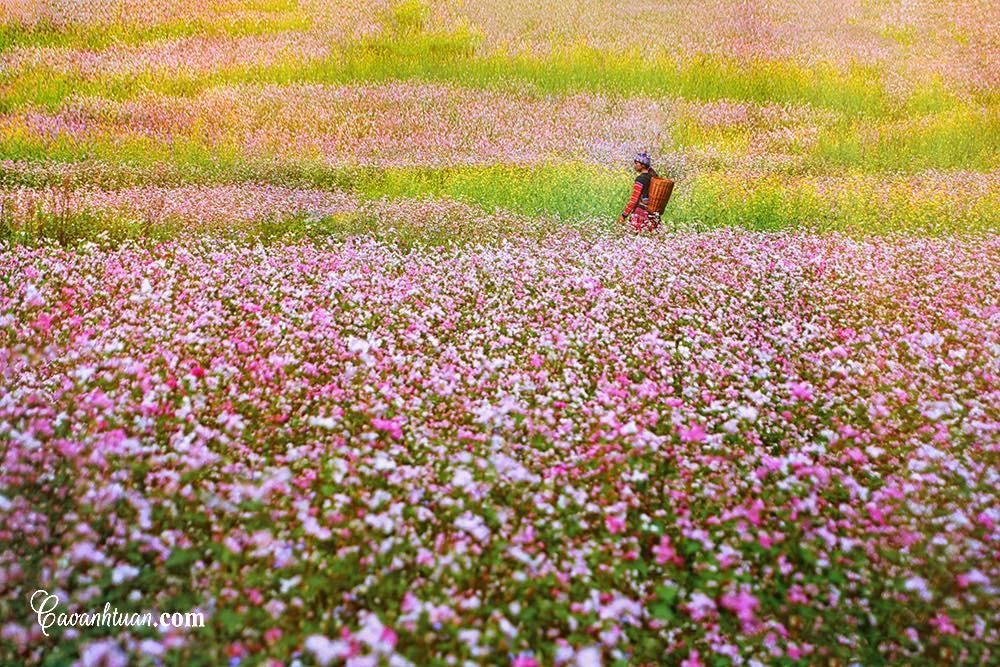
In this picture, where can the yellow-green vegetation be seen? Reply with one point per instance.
(958, 138)
(118, 28)
(788, 126)
(450, 56)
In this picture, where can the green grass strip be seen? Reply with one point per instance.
(576, 191)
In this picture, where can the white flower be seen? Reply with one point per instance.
(469, 637)
(311, 527)
(33, 297)
(928, 339)
(371, 631)
(323, 422)
(563, 654)
(379, 497)
(123, 573)
(381, 522)
(286, 585)
(462, 479)
(383, 462)
(153, 648)
(105, 652)
(700, 605)
(507, 627)
(936, 409)
(474, 525)
(358, 345)
(324, 650)
(588, 657)
(977, 577)
(919, 586)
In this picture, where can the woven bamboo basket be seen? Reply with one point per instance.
(659, 194)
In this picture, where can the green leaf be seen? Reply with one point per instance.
(661, 611)
(667, 594)
(230, 620)
(179, 561)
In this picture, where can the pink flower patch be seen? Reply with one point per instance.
(614, 524)
(801, 391)
(743, 604)
(693, 660)
(665, 552)
(391, 427)
(695, 433)
(942, 622)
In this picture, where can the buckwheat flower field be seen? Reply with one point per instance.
(320, 344)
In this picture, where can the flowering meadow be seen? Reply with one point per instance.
(315, 320)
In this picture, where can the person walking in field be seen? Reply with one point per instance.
(636, 211)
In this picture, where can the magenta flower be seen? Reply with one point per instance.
(614, 524)
(693, 659)
(694, 433)
(942, 622)
(801, 391)
(664, 552)
(743, 604)
(389, 426)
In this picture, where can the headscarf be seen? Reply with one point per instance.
(643, 158)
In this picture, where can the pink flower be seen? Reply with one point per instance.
(753, 512)
(693, 660)
(743, 604)
(875, 512)
(696, 433)
(972, 577)
(943, 624)
(410, 602)
(614, 524)
(700, 606)
(665, 552)
(801, 391)
(43, 323)
(389, 426)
